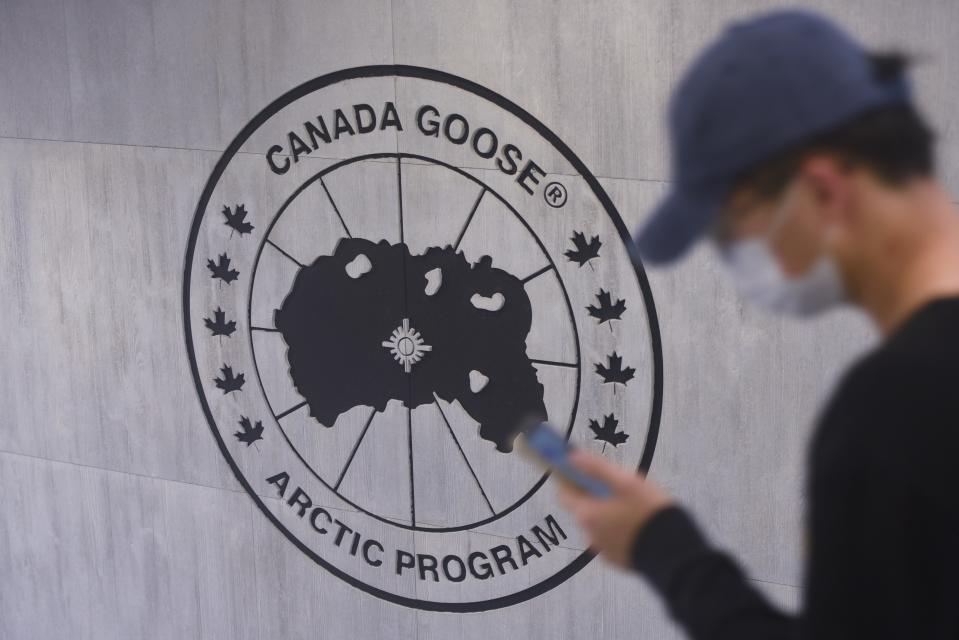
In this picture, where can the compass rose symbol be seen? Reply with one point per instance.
(407, 346)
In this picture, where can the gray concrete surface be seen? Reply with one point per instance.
(119, 517)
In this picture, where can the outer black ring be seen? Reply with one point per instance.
(539, 243)
(434, 75)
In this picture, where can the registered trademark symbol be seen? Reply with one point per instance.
(555, 195)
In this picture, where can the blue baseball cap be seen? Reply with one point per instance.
(767, 85)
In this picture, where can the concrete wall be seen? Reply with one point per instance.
(120, 518)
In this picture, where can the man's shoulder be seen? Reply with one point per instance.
(920, 361)
(896, 402)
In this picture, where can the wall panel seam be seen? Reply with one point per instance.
(120, 471)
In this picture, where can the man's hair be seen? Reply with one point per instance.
(893, 142)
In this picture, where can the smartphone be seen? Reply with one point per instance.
(547, 446)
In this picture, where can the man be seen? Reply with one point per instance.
(802, 158)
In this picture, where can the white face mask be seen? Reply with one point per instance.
(761, 280)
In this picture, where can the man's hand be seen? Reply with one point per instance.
(613, 523)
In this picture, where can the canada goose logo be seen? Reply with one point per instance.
(401, 267)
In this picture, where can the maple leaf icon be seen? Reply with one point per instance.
(218, 325)
(248, 434)
(614, 371)
(607, 431)
(236, 219)
(606, 310)
(229, 382)
(221, 269)
(584, 251)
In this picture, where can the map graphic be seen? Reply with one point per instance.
(373, 323)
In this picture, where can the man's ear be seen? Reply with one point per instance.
(829, 183)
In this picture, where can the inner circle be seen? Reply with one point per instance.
(412, 347)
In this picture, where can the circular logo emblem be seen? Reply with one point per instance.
(389, 270)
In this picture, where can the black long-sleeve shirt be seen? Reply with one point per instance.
(883, 524)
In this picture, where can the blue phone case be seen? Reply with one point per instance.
(553, 450)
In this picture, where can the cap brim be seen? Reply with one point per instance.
(681, 218)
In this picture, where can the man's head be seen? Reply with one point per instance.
(790, 143)
(824, 208)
